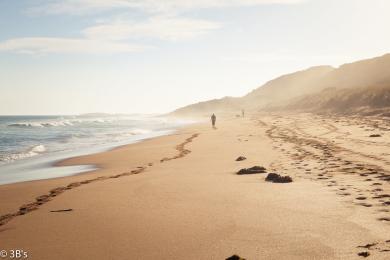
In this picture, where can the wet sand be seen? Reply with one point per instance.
(179, 197)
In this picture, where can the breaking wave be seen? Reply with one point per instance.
(57, 123)
(42, 124)
(33, 151)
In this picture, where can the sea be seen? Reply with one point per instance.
(31, 145)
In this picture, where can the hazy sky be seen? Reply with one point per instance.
(131, 56)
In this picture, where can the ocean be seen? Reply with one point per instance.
(30, 145)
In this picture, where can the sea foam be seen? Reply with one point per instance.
(33, 151)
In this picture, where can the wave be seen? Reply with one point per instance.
(70, 133)
(56, 123)
(38, 149)
(25, 125)
(140, 131)
(120, 136)
(42, 124)
(33, 151)
(70, 121)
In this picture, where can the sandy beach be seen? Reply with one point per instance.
(179, 197)
(194, 130)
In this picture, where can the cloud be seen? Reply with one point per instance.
(45, 45)
(162, 21)
(91, 6)
(161, 27)
(113, 36)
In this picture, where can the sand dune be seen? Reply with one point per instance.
(361, 86)
(364, 101)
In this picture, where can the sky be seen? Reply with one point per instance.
(153, 56)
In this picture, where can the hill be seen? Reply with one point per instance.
(359, 86)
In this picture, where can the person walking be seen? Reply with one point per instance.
(213, 120)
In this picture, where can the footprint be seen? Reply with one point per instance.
(26, 208)
(361, 198)
(368, 246)
(367, 205)
(381, 196)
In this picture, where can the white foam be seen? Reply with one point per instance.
(138, 131)
(43, 124)
(99, 120)
(38, 149)
(26, 125)
(60, 122)
(33, 151)
(57, 123)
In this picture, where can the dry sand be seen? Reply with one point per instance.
(178, 197)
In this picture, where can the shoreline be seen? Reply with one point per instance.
(72, 162)
(52, 162)
(177, 196)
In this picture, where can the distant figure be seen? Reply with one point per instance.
(243, 112)
(213, 119)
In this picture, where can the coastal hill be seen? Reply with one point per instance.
(362, 86)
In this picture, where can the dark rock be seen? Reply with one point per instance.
(241, 158)
(276, 178)
(375, 135)
(252, 170)
(364, 254)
